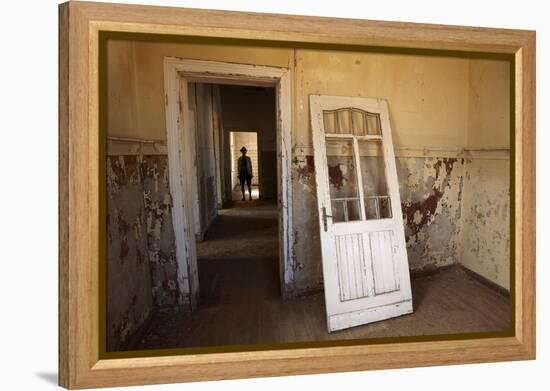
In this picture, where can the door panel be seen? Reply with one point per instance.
(385, 276)
(354, 262)
(365, 264)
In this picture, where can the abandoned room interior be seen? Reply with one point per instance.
(379, 205)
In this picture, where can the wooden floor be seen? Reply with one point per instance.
(240, 301)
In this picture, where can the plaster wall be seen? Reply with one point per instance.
(128, 276)
(486, 224)
(427, 95)
(489, 104)
(136, 72)
(141, 263)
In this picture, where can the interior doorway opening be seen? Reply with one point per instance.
(237, 242)
(237, 141)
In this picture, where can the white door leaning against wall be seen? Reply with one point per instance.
(365, 266)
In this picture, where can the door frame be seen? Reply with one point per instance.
(181, 154)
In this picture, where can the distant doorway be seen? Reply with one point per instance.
(248, 140)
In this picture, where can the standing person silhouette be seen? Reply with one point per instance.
(244, 166)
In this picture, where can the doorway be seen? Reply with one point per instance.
(249, 141)
(238, 253)
(189, 225)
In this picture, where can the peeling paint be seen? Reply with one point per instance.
(418, 214)
(447, 162)
(297, 266)
(159, 231)
(306, 246)
(431, 191)
(486, 239)
(431, 198)
(127, 308)
(336, 176)
(305, 168)
(141, 245)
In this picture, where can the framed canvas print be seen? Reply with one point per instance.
(247, 195)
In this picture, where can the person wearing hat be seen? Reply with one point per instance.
(244, 167)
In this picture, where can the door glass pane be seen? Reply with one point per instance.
(344, 193)
(343, 121)
(329, 121)
(337, 121)
(349, 120)
(375, 189)
(373, 124)
(359, 123)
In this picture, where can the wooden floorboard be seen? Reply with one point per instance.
(241, 303)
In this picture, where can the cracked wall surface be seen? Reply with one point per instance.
(160, 232)
(308, 273)
(128, 276)
(486, 236)
(431, 200)
(141, 263)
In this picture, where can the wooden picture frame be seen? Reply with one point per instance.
(81, 364)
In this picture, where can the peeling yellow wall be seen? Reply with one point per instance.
(431, 191)
(486, 205)
(486, 224)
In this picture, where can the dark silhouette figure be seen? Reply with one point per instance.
(244, 167)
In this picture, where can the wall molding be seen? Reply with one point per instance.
(121, 146)
(117, 146)
(492, 153)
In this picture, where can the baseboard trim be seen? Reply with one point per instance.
(485, 281)
(429, 271)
